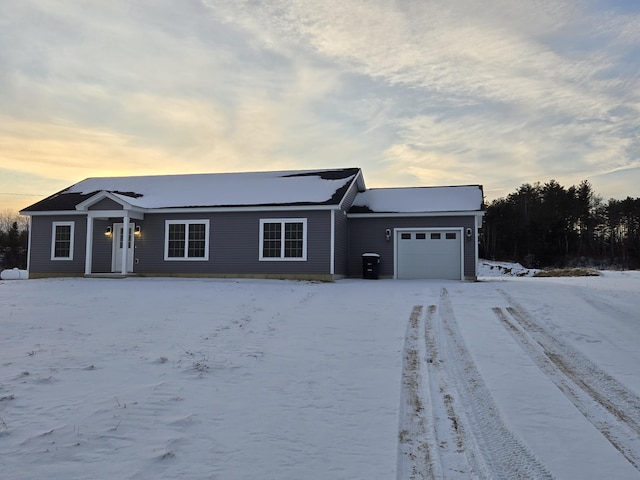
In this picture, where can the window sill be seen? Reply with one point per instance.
(186, 259)
(280, 259)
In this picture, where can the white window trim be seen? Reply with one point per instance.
(282, 222)
(185, 258)
(54, 226)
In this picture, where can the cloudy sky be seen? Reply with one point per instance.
(416, 92)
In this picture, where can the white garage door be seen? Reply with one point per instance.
(429, 254)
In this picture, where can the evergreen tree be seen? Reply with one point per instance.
(549, 225)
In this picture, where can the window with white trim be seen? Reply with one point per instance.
(283, 239)
(62, 234)
(186, 240)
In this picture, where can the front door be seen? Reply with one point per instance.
(118, 250)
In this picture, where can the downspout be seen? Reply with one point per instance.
(29, 246)
(89, 246)
(332, 255)
(475, 238)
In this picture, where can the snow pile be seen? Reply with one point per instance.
(488, 268)
(14, 274)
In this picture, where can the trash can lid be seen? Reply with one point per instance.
(370, 255)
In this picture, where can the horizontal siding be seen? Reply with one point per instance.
(368, 235)
(341, 245)
(341, 231)
(40, 251)
(233, 245)
(102, 245)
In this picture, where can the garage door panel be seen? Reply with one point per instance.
(429, 254)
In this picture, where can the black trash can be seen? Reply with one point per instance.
(370, 265)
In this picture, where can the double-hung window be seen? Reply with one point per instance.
(62, 240)
(186, 240)
(283, 239)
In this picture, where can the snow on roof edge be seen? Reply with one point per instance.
(457, 198)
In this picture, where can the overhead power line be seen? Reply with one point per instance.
(21, 194)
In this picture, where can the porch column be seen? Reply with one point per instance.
(89, 246)
(125, 243)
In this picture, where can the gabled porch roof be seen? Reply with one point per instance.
(121, 209)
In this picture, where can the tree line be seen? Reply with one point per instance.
(14, 240)
(550, 225)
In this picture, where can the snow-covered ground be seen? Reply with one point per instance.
(509, 377)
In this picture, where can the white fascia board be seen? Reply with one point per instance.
(142, 211)
(417, 214)
(48, 213)
(288, 208)
(357, 182)
(361, 185)
(138, 214)
(100, 196)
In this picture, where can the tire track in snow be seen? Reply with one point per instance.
(492, 448)
(459, 455)
(450, 428)
(610, 406)
(415, 438)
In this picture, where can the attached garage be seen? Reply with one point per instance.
(420, 233)
(428, 253)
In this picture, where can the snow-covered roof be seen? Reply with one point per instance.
(419, 200)
(300, 187)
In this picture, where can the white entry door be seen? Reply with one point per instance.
(118, 250)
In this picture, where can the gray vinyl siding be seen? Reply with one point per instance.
(106, 204)
(233, 245)
(40, 253)
(102, 245)
(367, 235)
(341, 244)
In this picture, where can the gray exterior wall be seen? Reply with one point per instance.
(234, 248)
(341, 244)
(367, 235)
(106, 204)
(102, 245)
(233, 245)
(40, 252)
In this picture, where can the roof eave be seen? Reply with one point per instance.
(457, 213)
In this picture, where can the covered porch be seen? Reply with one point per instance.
(110, 220)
